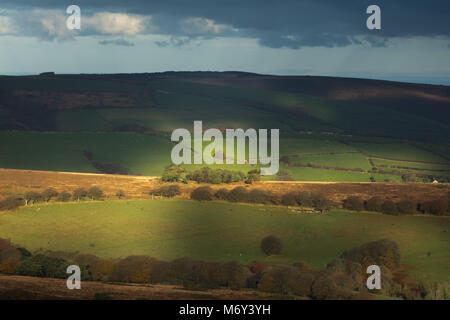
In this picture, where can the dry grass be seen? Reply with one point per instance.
(19, 181)
(30, 288)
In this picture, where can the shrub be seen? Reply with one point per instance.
(79, 194)
(196, 274)
(43, 266)
(168, 191)
(271, 245)
(101, 269)
(302, 266)
(202, 194)
(120, 194)
(439, 207)
(221, 194)
(324, 287)
(253, 175)
(284, 175)
(304, 199)
(234, 275)
(301, 285)
(409, 177)
(278, 280)
(407, 206)
(135, 269)
(320, 202)
(95, 193)
(10, 257)
(31, 197)
(64, 196)
(290, 198)
(354, 203)
(259, 196)
(389, 207)
(374, 204)
(383, 252)
(161, 272)
(10, 203)
(217, 176)
(48, 194)
(238, 194)
(173, 173)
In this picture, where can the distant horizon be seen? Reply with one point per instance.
(427, 80)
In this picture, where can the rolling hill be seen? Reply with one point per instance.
(333, 129)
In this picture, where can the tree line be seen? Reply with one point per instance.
(343, 278)
(438, 207)
(33, 197)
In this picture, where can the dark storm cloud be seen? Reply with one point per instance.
(117, 42)
(287, 23)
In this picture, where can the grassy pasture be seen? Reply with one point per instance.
(168, 229)
(398, 151)
(144, 154)
(313, 174)
(342, 160)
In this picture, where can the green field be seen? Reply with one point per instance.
(141, 153)
(398, 151)
(167, 229)
(54, 119)
(148, 154)
(341, 160)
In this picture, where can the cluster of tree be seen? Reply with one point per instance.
(167, 191)
(237, 194)
(306, 199)
(33, 197)
(241, 194)
(344, 278)
(437, 207)
(216, 176)
(174, 173)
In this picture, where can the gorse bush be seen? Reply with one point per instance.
(354, 203)
(389, 207)
(259, 196)
(202, 194)
(238, 194)
(221, 194)
(374, 204)
(168, 191)
(407, 206)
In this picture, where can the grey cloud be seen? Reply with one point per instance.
(117, 42)
(173, 42)
(288, 23)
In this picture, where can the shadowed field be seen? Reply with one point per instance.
(217, 231)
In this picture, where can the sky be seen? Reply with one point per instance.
(301, 37)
